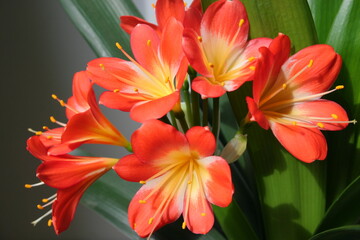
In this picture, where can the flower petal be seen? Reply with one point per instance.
(206, 89)
(256, 114)
(120, 101)
(166, 9)
(218, 184)
(201, 140)
(127, 23)
(322, 65)
(313, 143)
(154, 140)
(132, 169)
(154, 109)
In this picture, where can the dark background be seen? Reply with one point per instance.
(40, 52)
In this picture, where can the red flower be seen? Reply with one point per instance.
(219, 49)
(179, 175)
(86, 122)
(70, 175)
(287, 94)
(149, 87)
(164, 10)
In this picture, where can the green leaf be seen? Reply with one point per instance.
(351, 232)
(344, 210)
(98, 22)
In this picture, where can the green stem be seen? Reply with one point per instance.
(181, 117)
(216, 117)
(194, 99)
(205, 112)
(185, 91)
(165, 119)
(173, 120)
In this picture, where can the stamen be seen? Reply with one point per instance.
(45, 205)
(118, 46)
(33, 185)
(153, 5)
(334, 116)
(45, 128)
(41, 218)
(251, 58)
(199, 38)
(252, 68)
(211, 65)
(320, 125)
(241, 22)
(52, 119)
(45, 200)
(142, 182)
(148, 42)
(183, 226)
(116, 90)
(134, 226)
(40, 207)
(102, 66)
(142, 201)
(310, 63)
(203, 214)
(151, 220)
(339, 87)
(284, 86)
(37, 133)
(49, 223)
(294, 123)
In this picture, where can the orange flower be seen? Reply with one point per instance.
(180, 176)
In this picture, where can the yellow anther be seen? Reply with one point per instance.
(45, 200)
(167, 80)
(334, 116)
(136, 90)
(153, 5)
(49, 137)
(294, 123)
(116, 90)
(38, 133)
(151, 220)
(320, 125)
(118, 45)
(339, 87)
(189, 182)
(199, 38)
(62, 103)
(183, 226)
(54, 96)
(203, 214)
(134, 226)
(142, 182)
(310, 63)
(52, 119)
(45, 128)
(142, 201)
(211, 65)
(28, 186)
(241, 22)
(251, 58)
(148, 42)
(284, 86)
(185, 4)
(252, 68)
(49, 223)
(40, 207)
(102, 66)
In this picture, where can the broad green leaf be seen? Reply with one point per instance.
(98, 22)
(351, 232)
(344, 210)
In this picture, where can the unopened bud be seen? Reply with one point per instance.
(235, 148)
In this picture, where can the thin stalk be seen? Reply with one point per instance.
(165, 119)
(216, 117)
(205, 112)
(173, 120)
(194, 99)
(180, 115)
(186, 95)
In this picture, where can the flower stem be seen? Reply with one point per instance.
(185, 91)
(216, 117)
(194, 99)
(180, 115)
(173, 120)
(205, 110)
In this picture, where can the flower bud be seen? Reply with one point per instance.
(235, 148)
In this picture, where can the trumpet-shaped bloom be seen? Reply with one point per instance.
(70, 175)
(219, 50)
(149, 87)
(286, 97)
(179, 175)
(86, 122)
(164, 10)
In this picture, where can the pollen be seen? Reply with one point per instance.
(45, 200)
(151, 220)
(52, 119)
(38, 133)
(284, 86)
(148, 42)
(134, 226)
(310, 63)
(49, 223)
(241, 22)
(252, 68)
(211, 65)
(45, 128)
(49, 137)
(136, 90)
(251, 59)
(185, 4)
(183, 226)
(153, 5)
(320, 125)
(40, 207)
(102, 66)
(334, 116)
(28, 186)
(203, 214)
(54, 96)
(142, 201)
(118, 46)
(116, 90)
(338, 87)
(199, 38)
(294, 123)
(142, 182)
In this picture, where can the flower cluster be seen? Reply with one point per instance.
(174, 159)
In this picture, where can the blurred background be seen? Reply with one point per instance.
(40, 52)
